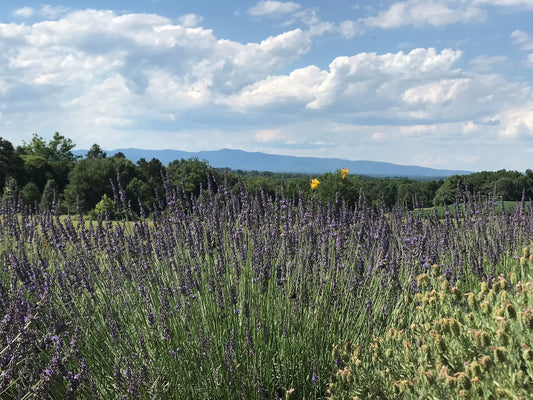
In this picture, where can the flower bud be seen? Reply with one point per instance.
(440, 344)
(435, 269)
(527, 317)
(485, 307)
(471, 299)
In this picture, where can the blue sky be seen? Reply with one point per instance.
(437, 83)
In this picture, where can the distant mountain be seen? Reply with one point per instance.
(248, 161)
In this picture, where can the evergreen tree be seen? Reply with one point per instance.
(10, 164)
(96, 152)
(49, 195)
(31, 194)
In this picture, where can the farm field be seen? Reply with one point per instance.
(239, 295)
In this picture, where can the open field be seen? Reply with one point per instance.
(508, 206)
(244, 296)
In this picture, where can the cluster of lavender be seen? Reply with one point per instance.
(229, 294)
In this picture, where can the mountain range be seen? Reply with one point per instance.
(256, 161)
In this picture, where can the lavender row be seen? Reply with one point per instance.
(229, 294)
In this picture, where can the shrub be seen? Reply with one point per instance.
(448, 343)
(105, 207)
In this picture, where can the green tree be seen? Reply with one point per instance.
(526, 183)
(49, 195)
(59, 148)
(91, 178)
(96, 152)
(10, 163)
(448, 190)
(31, 194)
(193, 173)
(36, 169)
(43, 161)
(333, 186)
(508, 188)
(152, 173)
(136, 190)
(105, 208)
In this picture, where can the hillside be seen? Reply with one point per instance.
(256, 161)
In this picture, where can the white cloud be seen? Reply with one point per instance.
(89, 46)
(298, 86)
(24, 12)
(269, 135)
(421, 85)
(522, 39)
(525, 41)
(53, 12)
(190, 20)
(486, 63)
(273, 8)
(349, 29)
(170, 93)
(109, 103)
(516, 122)
(470, 127)
(293, 15)
(367, 78)
(421, 13)
(436, 92)
(513, 3)
(379, 136)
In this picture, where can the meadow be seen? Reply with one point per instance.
(240, 295)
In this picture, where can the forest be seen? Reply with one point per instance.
(47, 174)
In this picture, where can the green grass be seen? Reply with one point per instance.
(441, 209)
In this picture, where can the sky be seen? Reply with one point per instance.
(444, 84)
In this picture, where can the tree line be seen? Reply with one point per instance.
(46, 174)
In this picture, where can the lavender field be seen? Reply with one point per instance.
(229, 295)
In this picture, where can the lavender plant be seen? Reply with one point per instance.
(228, 294)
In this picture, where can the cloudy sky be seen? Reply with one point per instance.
(437, 83)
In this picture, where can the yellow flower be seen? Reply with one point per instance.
(344, 172)
(314, 183)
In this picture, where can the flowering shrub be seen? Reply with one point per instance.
(448, 343)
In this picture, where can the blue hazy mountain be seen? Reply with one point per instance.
(254, 161)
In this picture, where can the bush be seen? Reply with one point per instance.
(31, 194)
(448, 343)
(106, 208)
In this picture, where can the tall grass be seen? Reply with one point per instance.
(228, 295)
